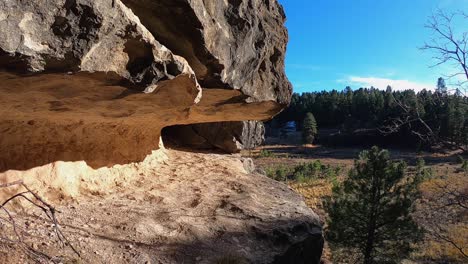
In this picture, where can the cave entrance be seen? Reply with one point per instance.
(224, 136)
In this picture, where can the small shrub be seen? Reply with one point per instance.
(463, 164)
(270, 172)
(422, 172)
(464, 167)
(266, 153)
(315, 170)
(279, 173)
(304, 172)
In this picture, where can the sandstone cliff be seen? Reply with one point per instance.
(113, 56)
(89, 85)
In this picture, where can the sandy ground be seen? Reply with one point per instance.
(177, 207)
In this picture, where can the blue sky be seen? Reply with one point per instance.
(335, 43)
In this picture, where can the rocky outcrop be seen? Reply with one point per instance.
(84, 35)
(234, 44)
(253, 134)
(174, 207)
(229, 46)
(52, 117)
(99, 63)
(86, 88)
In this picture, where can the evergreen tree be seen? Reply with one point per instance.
(389, 89)
(309, 128)
(441, 87)
(444, 116)
(371, 210)
(464, 134)
(458, 125)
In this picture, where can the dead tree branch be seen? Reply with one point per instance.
(447, 46)
(45, 207)
(447, 206)
(438, 233)
(410, 116)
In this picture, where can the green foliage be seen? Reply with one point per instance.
(266, 153)
(309, 129)
(422, 172)
(464, 166)
(371, 210)
(303, 172)
(279, 172)
(314, 170)
(348, 110)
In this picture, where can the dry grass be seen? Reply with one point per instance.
(442, 212)
(313, 192)
(436, 250)
(451, 222)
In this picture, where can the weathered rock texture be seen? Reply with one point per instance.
(175, 207)
(86, 87)
(53, 117)
(234, 44)
(108, 75)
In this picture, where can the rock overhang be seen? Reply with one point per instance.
(71, 117)
(98, 80)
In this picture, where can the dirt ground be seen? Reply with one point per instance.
(186, 207)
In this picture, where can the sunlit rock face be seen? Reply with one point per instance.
(86, 89)
(98, 80)
(233, 44)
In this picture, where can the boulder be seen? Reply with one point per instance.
(174, 207)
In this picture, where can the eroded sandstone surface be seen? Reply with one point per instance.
(174, 207)
(74, 117)
(139, 46)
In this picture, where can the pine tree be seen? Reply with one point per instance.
(441, 87)
(371, 210)
(459, 122)
(309, 129)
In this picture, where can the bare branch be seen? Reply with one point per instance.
(452, 49)
(40, 203)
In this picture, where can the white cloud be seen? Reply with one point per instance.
(382, 83)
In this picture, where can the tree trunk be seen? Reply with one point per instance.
(369, 243)
(372, 220)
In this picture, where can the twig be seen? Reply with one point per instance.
(48, 210)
